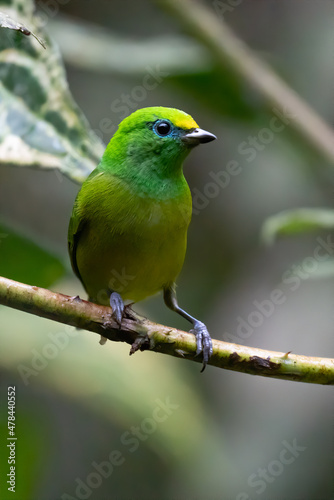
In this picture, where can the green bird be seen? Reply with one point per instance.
(128, 231)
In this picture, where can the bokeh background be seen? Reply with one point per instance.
(222, 434)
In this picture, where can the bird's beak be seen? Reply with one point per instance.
(197, 136)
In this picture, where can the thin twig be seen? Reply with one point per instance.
(138, 331)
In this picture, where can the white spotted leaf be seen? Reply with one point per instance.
(40, 123)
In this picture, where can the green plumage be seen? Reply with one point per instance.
(128, 230)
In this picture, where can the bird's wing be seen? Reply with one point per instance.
(76, 226)
(79, 223)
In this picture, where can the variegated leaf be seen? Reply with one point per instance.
(40, 123)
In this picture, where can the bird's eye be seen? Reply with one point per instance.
(162, 128)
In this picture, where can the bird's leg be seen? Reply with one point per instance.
(203, 339)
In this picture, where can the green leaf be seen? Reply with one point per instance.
(23, 260)
(296, 221)
(40, 123)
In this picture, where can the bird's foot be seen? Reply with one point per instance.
(117, 306)
(203, 341)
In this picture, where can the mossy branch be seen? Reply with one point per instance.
(159, 338)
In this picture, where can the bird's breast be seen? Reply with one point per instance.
(140, 250)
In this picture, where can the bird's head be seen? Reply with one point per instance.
(156, 138)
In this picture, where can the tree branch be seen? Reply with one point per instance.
(229, 50)
(135, 329)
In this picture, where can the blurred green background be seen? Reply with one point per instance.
(94, 423)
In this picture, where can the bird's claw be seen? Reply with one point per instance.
(117, 306)
(203, 342)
